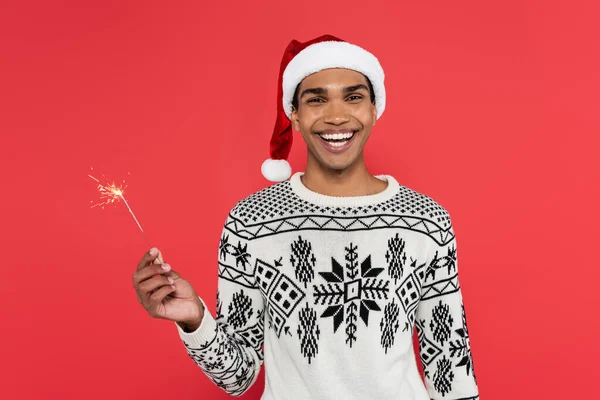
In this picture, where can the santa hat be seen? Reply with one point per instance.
(299, 61)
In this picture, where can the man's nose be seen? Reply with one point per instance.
(336, 113)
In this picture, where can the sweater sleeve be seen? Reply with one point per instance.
(228, 347)
(445, 347)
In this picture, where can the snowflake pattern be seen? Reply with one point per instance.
(239, 251)
(343, 290)
(223, 247)
(352, 294)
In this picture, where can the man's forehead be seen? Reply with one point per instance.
(334, 77)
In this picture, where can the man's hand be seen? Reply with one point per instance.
(165, 294)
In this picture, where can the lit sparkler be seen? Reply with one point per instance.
(111, 194)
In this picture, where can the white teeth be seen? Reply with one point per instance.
(338, 144)
(337, 136)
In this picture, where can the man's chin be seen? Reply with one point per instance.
(336, 163)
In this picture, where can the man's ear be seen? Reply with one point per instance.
(295, 120)
(374, 113)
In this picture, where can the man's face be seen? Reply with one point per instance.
(335, 116)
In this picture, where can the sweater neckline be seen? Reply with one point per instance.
(344, 201)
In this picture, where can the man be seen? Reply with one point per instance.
(330, 269)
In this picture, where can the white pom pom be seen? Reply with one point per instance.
(276, 170)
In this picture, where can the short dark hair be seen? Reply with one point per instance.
(371, 93)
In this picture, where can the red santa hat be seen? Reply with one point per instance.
(299, 61)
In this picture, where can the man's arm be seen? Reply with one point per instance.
(441, 322)
(228, 347)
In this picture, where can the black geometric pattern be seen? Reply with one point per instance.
(265, 276)
(231, 357)
(241, 255)
(232, 274)
(239, 251)
(446, 350)
(353, 294)
(282, 293)
(440, 287)
(441, 322)
(276, 320)
(429, 350)
(343, 290)
(303, 260)
(396, 257)
(409, 292)
(277, 209)
(443, 376)
(389, 324)
(448, 262)
(219, 315)
(240, 309)
(253, 335)
(224, 247)
(238, 273)
(308, 332)
(285, 295)
(324, 223)
(461, 347)
(229, 366)
(280, 201)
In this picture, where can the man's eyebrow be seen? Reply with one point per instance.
(354, 88)
(323, 91)
(317, 91)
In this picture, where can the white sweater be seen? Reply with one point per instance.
(333, 287)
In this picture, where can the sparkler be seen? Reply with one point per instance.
(111, 194)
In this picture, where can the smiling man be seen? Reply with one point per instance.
(335, 112)
(325, 275)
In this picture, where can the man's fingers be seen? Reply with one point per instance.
(173, 274)
(156, 299)
(152, 282)
(143, 274)
(158, 259)
(148, 258)
(150, 285)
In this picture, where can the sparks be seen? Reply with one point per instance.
(111, 194)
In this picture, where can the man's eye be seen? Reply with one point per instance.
(316, 99)
(355, 97)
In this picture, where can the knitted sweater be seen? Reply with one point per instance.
(333, 288)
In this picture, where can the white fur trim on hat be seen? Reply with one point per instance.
(332, 54)
(276, 170)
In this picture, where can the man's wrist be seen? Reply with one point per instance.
(193, 324)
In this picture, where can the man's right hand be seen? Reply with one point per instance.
(165, 294)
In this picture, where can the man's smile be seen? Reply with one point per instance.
(337, 140)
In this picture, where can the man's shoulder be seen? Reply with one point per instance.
(262, 204)
(423, 204)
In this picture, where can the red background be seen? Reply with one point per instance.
(492, 111)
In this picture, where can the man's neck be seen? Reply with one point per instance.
(353, 181)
